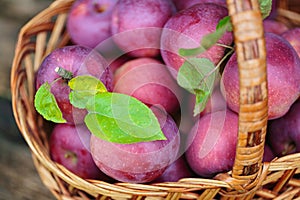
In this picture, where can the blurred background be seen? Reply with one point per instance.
(18, 176)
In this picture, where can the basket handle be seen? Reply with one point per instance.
(249, 41)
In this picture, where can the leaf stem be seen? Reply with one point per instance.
(217, 66)
(224, 45)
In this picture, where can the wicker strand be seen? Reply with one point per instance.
(249, 41)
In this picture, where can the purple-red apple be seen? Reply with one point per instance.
(212, 143)
(136, 25)
(70, 147)
(177, 170)
(268, 153)
(273, 26)
(142, 161)
(78, 60)
(292, 36)
(148, 80)
(283, 74)
(181, 5)
(89, 21)
(186, 29)
(284, 132)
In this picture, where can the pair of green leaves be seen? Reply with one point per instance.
(113, 117)
(197, 75)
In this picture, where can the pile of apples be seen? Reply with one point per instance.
(132, 46)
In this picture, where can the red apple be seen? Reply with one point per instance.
(80, 61)
(142, 161)
(283, 67)
(284, 132)
(181, 5)
(185, 30)
(177, 170)
(212, 143)
(292, 36)
(273, 26)
(136, 25)
(70, 147)
(89, 21)
(148, 80)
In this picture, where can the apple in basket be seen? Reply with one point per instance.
(292, 36)
(150, 81)
(77, 60)
(181, 5)
(283, 66)
(177, 170)
(136, 25)
(142, 161)
(70, 146)
(211, 144)
(89, 21)
(199, 21)
(284, 132)
(273, 26)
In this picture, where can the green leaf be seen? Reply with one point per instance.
(265, 7)
(45, 104)
(122, 119)
(212, 38)
(197, 75)
(209, 39)
(83, 88)
(224, 24)
(202, 97)
(192, 51)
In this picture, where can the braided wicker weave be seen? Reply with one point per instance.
(249, 176)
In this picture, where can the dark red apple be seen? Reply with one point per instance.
(80, 61)
(283, 67)
(268, 154)
(292, 36)
(148, 80)
(186, 29)
(177, 170)
(89, 21)
(284, 133)
(212, 143)
(181, 5)
(142, 161)
(273, 26)
(136, 25)
(70, 147)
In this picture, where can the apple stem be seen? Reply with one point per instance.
(65, 74)
(99, 8)
(216, 67)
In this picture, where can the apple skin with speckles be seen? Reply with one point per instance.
(186, 29)
(137, 25)
(284, 133)
(181, 5)
(283, 75)
(89, 21)
(211, 144)
(70, 147)
(78, 60)
(142, 161)
(292, 36)
(150, 81)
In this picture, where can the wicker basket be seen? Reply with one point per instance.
(250, 178)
